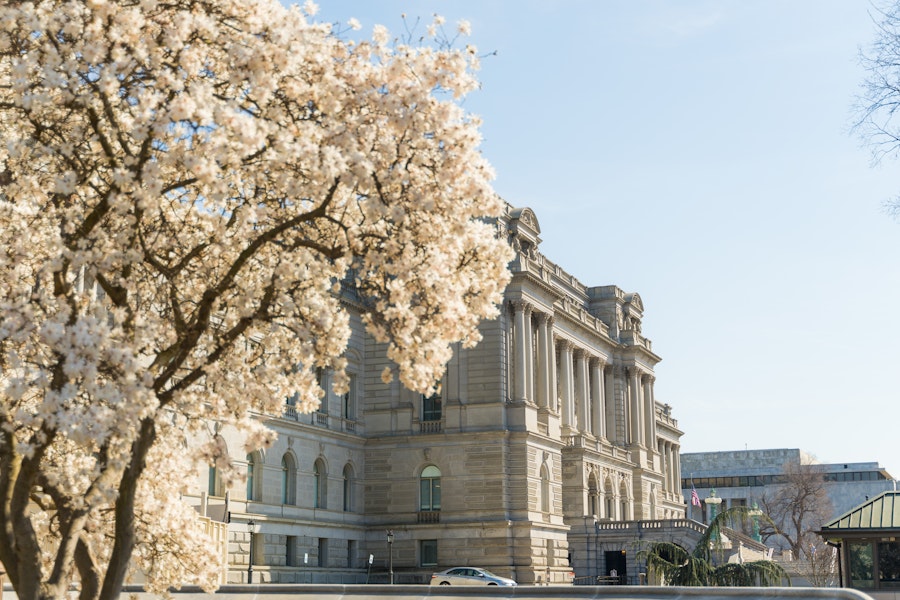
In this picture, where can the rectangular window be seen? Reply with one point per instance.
(323, 552)
(861, 565)
(213, 481)
(425, 494)
(428, 553)
(349, 400)
(351, 553)
(889, 565)
(431, 408)
(323, 383)
(290, 551)
(430, 494)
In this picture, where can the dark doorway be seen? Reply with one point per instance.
(615, 565)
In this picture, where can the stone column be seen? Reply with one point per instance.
(581, 391)
(529, 355)
(637, 421)
(649, 411)
(598, 403)
(553, 400)
(545, 348)
(670, 468)
(660, 447)
(521, 379)
(612, 429)
(673, 464)
(663, 464)
(676, 451)
(566, 383)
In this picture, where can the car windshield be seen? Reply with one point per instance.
(488, 573)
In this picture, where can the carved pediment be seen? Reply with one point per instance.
(524, 230)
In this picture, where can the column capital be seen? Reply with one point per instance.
(519, 305)
(565, 344)
(598, 362)
(542, 317)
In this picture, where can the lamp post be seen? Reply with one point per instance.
(251, 527)
(713, 504)
(390, 541)
(755, 513)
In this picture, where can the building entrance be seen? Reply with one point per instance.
(615, 565)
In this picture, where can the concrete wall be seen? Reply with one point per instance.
(372, 592)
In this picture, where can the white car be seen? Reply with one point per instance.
(469, 576)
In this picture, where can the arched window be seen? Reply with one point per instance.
(214, 482)
(545, 489)
(430, 489)
(216, 486)
(348, 488)
(288, 480)
(251, 472)
(320, 483)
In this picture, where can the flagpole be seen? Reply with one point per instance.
(695, 497)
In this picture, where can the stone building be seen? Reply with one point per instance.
(543, 436)
(742, 477)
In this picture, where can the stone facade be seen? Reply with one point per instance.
(544, 432)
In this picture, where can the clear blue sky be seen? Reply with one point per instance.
(699, 153)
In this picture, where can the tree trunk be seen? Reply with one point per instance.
(124, 511)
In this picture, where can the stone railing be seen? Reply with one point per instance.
(428, 516)
(650, 525)
(429, 426)
(218, 532)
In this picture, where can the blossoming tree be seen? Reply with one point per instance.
(184, 185)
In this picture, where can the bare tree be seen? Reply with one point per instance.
(878, 104)
(798, 506)
(820, 566)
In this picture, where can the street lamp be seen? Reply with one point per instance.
(712, 503)
(755, 514)
(251, 527)
(390, 541)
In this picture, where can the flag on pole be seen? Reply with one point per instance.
(695, 497)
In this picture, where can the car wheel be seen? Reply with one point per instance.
(445, 583)
(492, 583)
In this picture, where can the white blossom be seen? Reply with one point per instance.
(181, 185)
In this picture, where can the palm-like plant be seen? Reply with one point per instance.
(678, 567)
